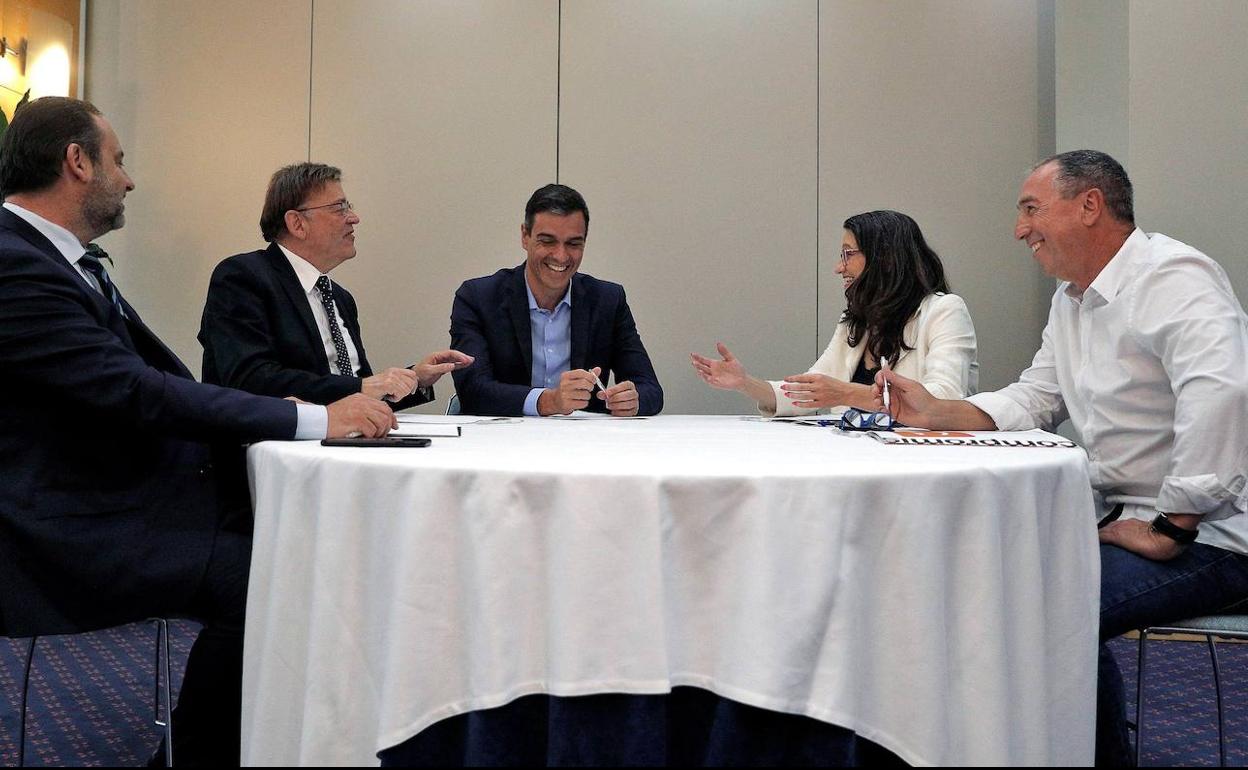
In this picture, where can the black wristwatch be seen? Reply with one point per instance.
(1163, 526)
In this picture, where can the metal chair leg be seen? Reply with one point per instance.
(1139, 695)
(163, 684)
(1217, 690)
(21, 732)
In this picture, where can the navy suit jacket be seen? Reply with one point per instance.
(490, 320)
(118, 469)
(259, 335)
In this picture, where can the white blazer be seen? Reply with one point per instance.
(943, 355)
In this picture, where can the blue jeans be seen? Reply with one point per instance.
(1137, 593)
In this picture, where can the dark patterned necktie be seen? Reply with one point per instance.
(340, 345)
(91, 262)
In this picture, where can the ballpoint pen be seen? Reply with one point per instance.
(598, 382)
(884, 368)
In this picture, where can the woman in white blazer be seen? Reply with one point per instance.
(898, 309)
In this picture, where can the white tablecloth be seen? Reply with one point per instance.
(941, 601)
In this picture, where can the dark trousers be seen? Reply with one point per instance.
(1137, 593)
(206, 722)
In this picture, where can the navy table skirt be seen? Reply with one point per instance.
(690, 727)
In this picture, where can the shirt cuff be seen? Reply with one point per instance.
(1005, 412)
(530, 402)
(1204, 494)
(313, 422)
(784, 405)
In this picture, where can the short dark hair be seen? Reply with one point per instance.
(1080, 170)
(901, 270)
(289, 187)
(557, 199)
(34, 144)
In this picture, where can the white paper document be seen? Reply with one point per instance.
(918, 437)
(581, 414)
(426, 430)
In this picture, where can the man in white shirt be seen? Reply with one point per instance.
(1146, 352)
(275, 323)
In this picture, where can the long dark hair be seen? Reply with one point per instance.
(901, 270)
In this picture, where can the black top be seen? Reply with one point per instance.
(863, 375)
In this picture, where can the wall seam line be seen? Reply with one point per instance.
(311, 45)
(558, 82)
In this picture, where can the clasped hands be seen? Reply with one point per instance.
(576, 388)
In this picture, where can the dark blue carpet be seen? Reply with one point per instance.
(91, 698)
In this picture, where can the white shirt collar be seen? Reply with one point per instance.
(65, 242)
(305, 271)
(1118, 271)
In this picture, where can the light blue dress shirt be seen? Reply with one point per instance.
(551, 335)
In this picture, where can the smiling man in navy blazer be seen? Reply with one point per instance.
(543, 334)
(123, 492)
(274, 322)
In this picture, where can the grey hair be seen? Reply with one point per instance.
(1081, 170)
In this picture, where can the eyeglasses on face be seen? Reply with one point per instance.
(342, 207)
(846, 253)
(858, 419)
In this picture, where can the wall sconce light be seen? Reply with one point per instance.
(16, 51)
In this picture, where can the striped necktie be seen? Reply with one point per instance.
(340, 345)
(91, 262)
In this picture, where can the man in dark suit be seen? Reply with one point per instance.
(121, 496)
(544, 336)
(275, 324)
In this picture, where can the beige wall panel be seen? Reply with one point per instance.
(690, 128)
(207, 98)
(442, 117)
(1092, 75)
(934, 109)
(1189, 126)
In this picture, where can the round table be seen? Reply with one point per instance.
(941, 601)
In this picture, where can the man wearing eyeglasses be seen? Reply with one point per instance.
(121, 496)
(275, 323)
(1146, 352)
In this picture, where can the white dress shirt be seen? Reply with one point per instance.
(307, 275)
(65, 242)
(1151, 366)
(313, 419)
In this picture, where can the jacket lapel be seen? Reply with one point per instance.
(582, 309)
(852, 356)
(289, 282)
(517, 302)
(127, 329)
(35, 238)
(150, 345)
